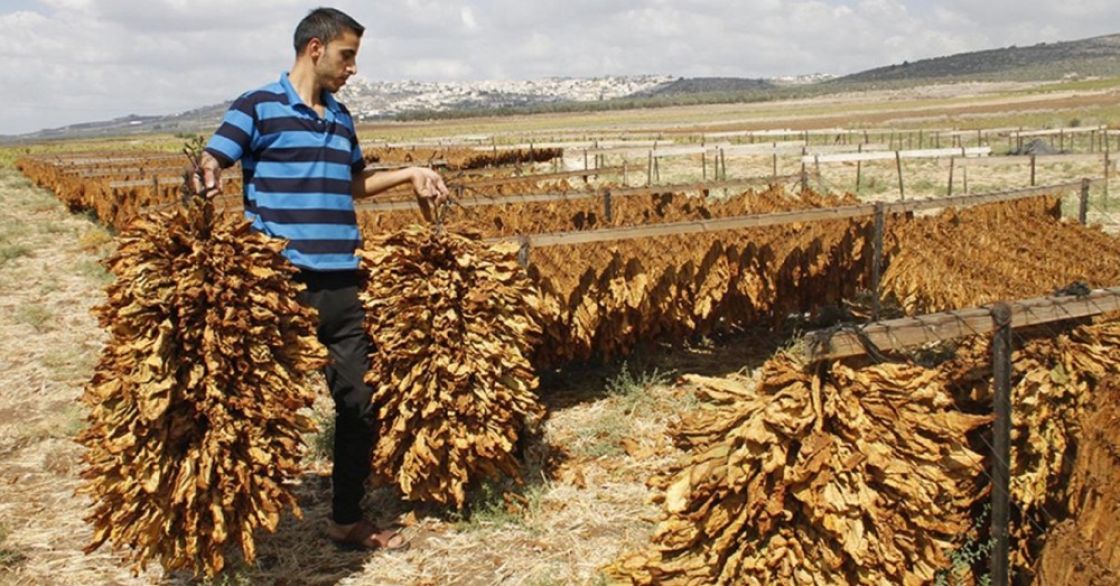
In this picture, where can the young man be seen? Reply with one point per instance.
(302, 169)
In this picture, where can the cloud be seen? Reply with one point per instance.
(67, 61)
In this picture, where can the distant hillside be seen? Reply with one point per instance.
(704, 85)
(1045, 61)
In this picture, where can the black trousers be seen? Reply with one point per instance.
(335, 295)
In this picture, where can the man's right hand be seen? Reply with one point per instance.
(211, 180)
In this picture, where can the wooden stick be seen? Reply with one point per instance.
(900, 334)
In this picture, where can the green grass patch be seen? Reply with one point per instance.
(499, 504)
(630, 385)
(10, 558)
(95, 271)
(66, 365)
(320, 445)
(36, 316)
(10, 252)
(94, 240)
(970, 554)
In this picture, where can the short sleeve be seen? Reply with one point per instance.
(235, 135)
(357, 162)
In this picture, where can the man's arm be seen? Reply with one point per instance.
(427, 183)
(228, 144)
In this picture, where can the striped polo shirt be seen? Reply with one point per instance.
(297, 170)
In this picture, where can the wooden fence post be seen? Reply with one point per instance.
(523, 252)
(1001, 432)
(608, 209)
(898, 163)
(877, 259)
(155, 188)
(1083, 207)
(1032, 170)
(952, 163)
(1107, 167)
(649, 169)
(804, 173)
(859, 172)
(704, 165)
(964, 176)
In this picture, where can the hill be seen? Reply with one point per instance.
(1097, 56)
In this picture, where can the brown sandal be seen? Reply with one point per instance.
(364, 535)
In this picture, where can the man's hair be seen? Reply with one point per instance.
(325, 24)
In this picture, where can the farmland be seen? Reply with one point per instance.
(646, 300)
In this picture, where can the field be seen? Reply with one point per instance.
(585, 501)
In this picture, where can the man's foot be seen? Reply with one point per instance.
(365, 535)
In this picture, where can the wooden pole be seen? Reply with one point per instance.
(898, 163)
(952, 163)
(608, 209)
(804, 173)
(1107, 167)
(859, 172)
(155, 187)
(1032, 170)
(704, 165)
(1001, 452)
(1083, 207)
(877, 260)
(723, 163)
(965, 177)
(649, 169)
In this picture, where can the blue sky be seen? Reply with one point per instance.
(67, 61)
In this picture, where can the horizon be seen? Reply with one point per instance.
(83, 61)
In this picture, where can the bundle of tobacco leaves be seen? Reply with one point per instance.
(193, 416)
(453, 323)
(850, 477)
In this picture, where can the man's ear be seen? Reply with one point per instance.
(315, 48)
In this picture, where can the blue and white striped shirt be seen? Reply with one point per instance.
(297, 168)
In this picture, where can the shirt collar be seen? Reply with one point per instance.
(294, 99)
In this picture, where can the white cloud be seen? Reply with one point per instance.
(67, 61)
(467, 16)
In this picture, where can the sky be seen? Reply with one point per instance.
(69, 61)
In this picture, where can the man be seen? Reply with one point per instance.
(303, 168)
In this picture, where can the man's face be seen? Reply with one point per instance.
(337, 61)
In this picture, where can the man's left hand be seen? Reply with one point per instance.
(429, 185)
